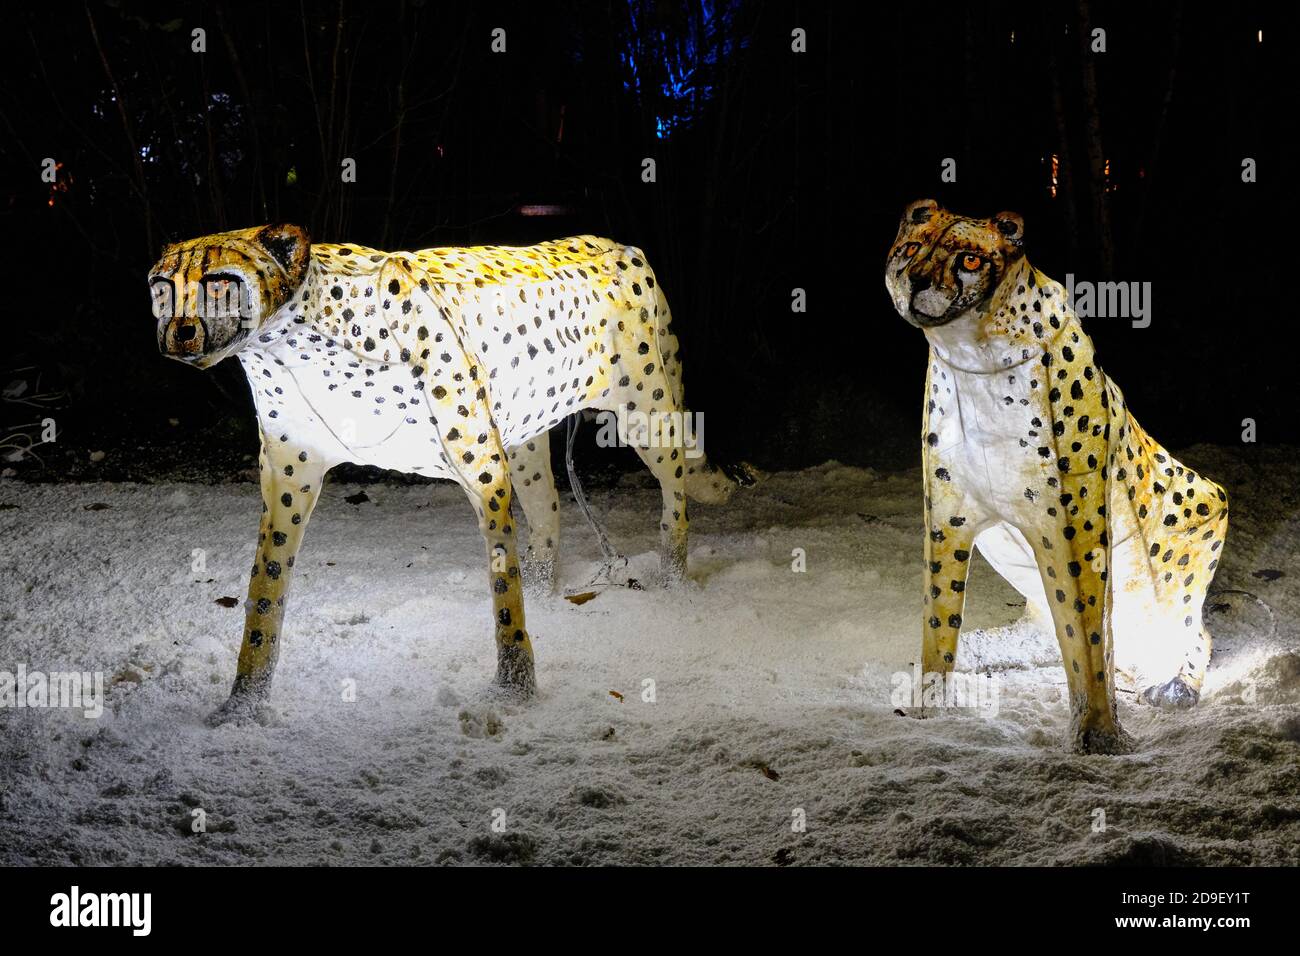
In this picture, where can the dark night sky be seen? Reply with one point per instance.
(775, 170)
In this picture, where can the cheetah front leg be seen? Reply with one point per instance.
(1074, 558)
(291, 483)
(515, 669)
(472, 446)
(951, 524)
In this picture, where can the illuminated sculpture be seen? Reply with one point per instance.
(1030, 453)
(449, 363)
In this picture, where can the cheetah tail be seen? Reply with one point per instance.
(705, 482)
(713, 484)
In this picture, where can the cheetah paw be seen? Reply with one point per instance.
(1107, 742)
(516, 677)
(243, 709)
(1175, 694)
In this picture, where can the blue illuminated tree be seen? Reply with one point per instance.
(671, 54)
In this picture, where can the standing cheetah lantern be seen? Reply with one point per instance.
(449, 363)
(1030, 453)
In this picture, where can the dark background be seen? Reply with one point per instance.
(775, 170)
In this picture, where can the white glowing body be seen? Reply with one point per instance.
(981, 446)
(330, 423)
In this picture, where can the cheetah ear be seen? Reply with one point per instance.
(1011, 225)
(289, 246)
(920, 211)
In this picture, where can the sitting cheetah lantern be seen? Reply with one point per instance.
(1030, 453)
(450, 363)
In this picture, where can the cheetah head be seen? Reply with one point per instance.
(942, 266)
(210, 294)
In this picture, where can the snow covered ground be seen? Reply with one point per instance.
(771, 692)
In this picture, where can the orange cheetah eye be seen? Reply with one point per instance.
(911, 249)
(970, 262)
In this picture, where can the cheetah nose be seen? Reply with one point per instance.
(919, 283)
(184, 338)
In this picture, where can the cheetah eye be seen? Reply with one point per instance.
(911, 249)
(219, 284)
(970, 262)
(163, 290)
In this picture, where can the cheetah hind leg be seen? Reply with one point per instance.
(1186, 627)
(1183, 690)
(666, 465)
